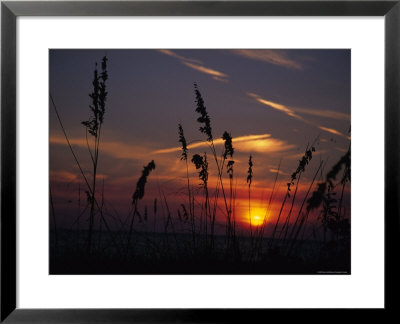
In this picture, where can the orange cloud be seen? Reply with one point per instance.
(331, 130)
(220, 79)
(288, 111)
(323, 113)
(196, 65)
(291, 111)
(179, 57)
(115, 149)
(273, 170)
(275, 57)
(206, 70)
(63, 176)
(249, 143)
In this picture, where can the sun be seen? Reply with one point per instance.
(256, 220)
(257, 216)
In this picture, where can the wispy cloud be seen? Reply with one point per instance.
(275, 57)
(179, 57)
(63, 176)
(69, 177)
(262, 143)
(273, 170)
(288, 111)
(294, 112)
(197, 65)
(331, 130)
(291, 111)
(323, 113)
(115, 149)
(220, 79)
(206, 70)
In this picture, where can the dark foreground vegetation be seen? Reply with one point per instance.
(172, 254)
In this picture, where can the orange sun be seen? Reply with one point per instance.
(257, 216)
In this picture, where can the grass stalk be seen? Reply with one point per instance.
(293, 237)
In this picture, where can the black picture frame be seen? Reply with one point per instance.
(10, 10)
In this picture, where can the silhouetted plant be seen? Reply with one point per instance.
(206, 129)
(300, 168)
(301, 219)
(204, 118)
(201, 164)
(185, 213)
(260, 236)
(305, 160)
(99, 98)
(228, 145)
(184, 155)
(229, 169)
(231, 220)
(324, 192)
(140, 185)
(249, 180)
(345, 179)
(228, 151)
(93, 127)
(139, 194)
(155, 206)
(297, 174)
(182, 140)
(343, 161)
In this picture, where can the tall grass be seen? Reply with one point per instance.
(93, 127)
(137, 196)
(303, 162)
(184, 157)
(100, 99)
(206, 129)
(249, 180)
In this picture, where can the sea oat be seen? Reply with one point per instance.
(182, 140)
(204, 117)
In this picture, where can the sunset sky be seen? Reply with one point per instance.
(273, 102)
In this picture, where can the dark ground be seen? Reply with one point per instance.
(173, 254)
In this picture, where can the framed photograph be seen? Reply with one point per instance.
(160, 159)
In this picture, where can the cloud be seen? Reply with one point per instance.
(69, 177)
(115, 149)
(197, 65)
(63, 176)
(205, 70)
(288, 111)
(275, 57)
(179, 57)
(262, 143)
(274, 170)
(331, 130)
(293, 112)
(220, 79)
(323, 113)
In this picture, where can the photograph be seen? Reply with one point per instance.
(200, 161)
